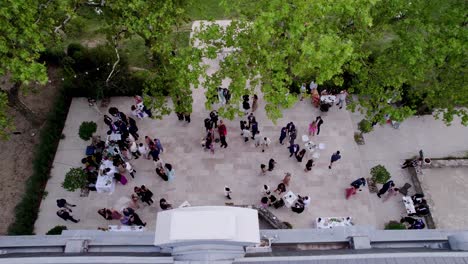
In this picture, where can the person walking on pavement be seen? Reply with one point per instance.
(342, 98)
(66, 214)
(319, 122)
(254, 129)
(309, 165)
(300, 155)
(251, 119)
(227, 192)
(222, 130)
(265, 143)
(312, 128)
(284, 132)
(214, 118)
(254, 103)
(355, 185)
(271, 164)
(62, 203)
(385, 187)
(335, 157)
(243, 125)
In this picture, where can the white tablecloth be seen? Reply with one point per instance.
(409, 205)
(289, 199)
(106, 183)
(330, 222)
(329, 99)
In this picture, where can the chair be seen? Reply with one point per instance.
(305, 138)
(404, 190)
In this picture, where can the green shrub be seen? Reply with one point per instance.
(288, 225)
(380, 174)
(56, 230)
(394, 225)
(365, 126)
(27, 209)
(53, 55)
(87, 129)
(75, 179)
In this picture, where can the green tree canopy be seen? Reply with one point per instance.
(397, 56)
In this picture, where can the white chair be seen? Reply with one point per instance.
(321, 146)
(305, 138)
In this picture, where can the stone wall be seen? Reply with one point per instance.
(442, 163)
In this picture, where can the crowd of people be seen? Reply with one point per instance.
(122, 145)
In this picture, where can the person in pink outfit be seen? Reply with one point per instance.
(391, 193)
(312, 128)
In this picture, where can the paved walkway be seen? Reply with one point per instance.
(201, 176)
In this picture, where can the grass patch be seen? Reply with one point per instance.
(206, 10)
(27, 209)
(136, 51)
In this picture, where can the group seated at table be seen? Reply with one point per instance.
(413, 223)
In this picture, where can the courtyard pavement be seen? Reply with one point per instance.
(200, 176)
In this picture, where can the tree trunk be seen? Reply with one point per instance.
(15, 102)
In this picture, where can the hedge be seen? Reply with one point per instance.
(27, 209)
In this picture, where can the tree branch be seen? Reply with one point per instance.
(40, 8)
(116, 39)
(67, 19)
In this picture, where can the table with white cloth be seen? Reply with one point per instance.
(124, 228)
(106, 183)
(330, 222)
(114, 137)
(409, 204)
(328, 99)
(289, 199)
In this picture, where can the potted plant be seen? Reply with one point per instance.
(75, 179)
(394, 225)
(364, 127)
(380, 174)
(87, 129)
(56, 230)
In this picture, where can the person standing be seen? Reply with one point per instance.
(227, 192)
(385, 188)
(309, 165)
(243, 125)
(300, 155)
(246, 134)
(62, 203)
(335, 157)
(312, 128)
(358, 183)
(66, 214)
(302, 91)
(214, 118)
(254, 129)
(319, 122)
(391, 193)
(221, 97)
(313, 86)
(227, 95)
(251, 119)
(254, 103)
(246, 105)
(222, 130)
(284, 132)
(187, 117)
(263, 169)
(132, 128)
(271, 164)
(287, 178)
(208, 124)
(342, 98)
(143, 150)
(293, 149)
(265, 143)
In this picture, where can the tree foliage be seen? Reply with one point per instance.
(26, 27)
(175, 67)
(400, 55)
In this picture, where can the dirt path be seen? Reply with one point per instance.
(17, 153)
